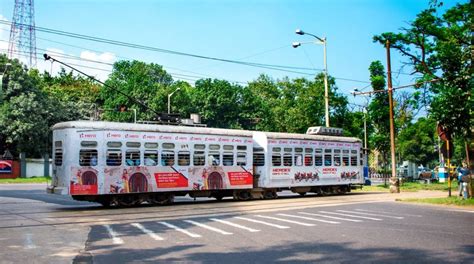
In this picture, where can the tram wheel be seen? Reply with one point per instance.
(127, 201)
(163, 199)
(268, 195)
(302, 193)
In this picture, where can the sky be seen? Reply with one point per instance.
(259, 31)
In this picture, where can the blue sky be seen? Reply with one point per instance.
(258, 31)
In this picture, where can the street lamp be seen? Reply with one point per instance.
(321, 41)
(169, 99)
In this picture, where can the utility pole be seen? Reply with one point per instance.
(394, 183)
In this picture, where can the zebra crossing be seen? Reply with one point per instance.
(230, 225)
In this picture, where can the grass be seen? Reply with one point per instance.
(412, 187)
(453, 200)
(26, 180)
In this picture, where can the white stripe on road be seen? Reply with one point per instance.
(331, 217)
(371, 211)
(147, 231)
(285, 220)
(180, 229)
(310, 218)
(235, 225)
(354, 216)
(261, 222)
(115, 239)
(380, 215)
(208, 227)
(29, 241)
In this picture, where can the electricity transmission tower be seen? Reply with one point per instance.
(22, 42)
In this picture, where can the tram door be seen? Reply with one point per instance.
(138, 183)
(89, 178)
(215, 181)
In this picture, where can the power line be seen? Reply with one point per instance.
(290, 69)
(394, 88)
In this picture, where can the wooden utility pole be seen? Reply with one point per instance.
(394, 183)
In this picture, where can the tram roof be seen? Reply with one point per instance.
(102, 125)
(274, 135)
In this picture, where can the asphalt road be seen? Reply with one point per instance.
(358, 228)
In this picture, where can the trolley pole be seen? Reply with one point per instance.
(394, 183)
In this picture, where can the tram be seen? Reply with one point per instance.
(127, 164)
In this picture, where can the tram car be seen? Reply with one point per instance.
(127, 164)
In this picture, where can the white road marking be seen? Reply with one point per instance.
(208, 227)
(379, 215)
(371, 211)
(332, 217)
(235, 225)
(261, 222)
(310, 218)
(115, 239)
(285, 220)
(354, 216)
(180, 229)
(147, 231)
(29, 241)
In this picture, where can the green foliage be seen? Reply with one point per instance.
(135, 85)
(416, 142)
(439, 47)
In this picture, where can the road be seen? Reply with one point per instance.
(360, 227)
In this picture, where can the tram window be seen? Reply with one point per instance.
(184, 158)
(288, 150)
(214, 158)
(133, 144)
(114, 144)
(132, 157)
(287, 159)
(241, 158)
(337, 159)
(276, 159)
(114, 157)
(58, 153)
(150, 157)
(89, 144)
(345, 157)
(327, 157)
(241, 147)
(199, 146)
(88, 157)
(353, 157)
(228, 147)
(167, 157)
(298, 159)
(168, 146)
(318, 157)
(214, 147)
(228, 158)
(276, 149)
(361, 159)
(199, 159)
(151, 145)
(258, 159)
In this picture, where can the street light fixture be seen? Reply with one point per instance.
(323, 42)
(169, 99)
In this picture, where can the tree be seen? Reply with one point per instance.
(25, 111)
(378, 111)
(135, 85)
(416, 142)
(439, 48)
(218, 102)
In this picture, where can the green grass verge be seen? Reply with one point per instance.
(453, 200)
(26, 180)
(411, 187)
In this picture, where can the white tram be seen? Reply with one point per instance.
(125, 164)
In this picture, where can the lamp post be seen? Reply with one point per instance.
(169, 99)
(323, 42)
